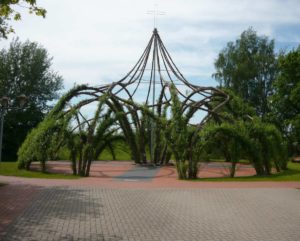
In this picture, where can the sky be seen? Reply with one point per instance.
(98, 42)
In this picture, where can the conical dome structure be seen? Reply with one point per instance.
(154, 71)
(147, 83)
(151, 109)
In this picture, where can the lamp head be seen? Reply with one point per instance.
(5, 101)
(22, 100)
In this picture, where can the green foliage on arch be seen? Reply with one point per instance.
(238, 133)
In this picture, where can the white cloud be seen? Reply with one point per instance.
(96, 41)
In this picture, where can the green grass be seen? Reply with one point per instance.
(292, 174)
(11, 169)
(122, 152)
(242, 161)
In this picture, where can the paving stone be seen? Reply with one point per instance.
(97, 214)
(14, 198)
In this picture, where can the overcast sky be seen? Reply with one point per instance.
(96, 41)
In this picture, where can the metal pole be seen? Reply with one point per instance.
(153, 100)
(1, 130)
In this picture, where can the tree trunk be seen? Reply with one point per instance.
(258, 168)
(277, 166)
(80, 171)
(226, 154)
(27, 166)
(112, 151)
(168, 157)
(232, 169)
(164, 155)
(73, 155)
(74, 169)
(193, 170)
(267, 165)
(87, 172)
(142, 134)
(43, 166)
(181, 170)
(267, 168)
(193, 165)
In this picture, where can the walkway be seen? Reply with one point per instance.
(139, 174)
(94, 214)
(13, 200)
(122, 202)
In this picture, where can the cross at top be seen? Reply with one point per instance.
(155, 12)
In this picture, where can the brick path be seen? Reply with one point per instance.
(103, 207)
(70, 213)
(139, 173)
(14, 199)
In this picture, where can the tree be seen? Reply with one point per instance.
(286, 100)
(270, 146)
(181, 137)
(248, 66)
(237, 133)
(260, 143)
(231, 138)
(8, 12)
(84, 138)
(98, 134)
(25, 68)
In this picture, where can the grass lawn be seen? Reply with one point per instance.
(11, 169)
(122, 152)
(292, 174)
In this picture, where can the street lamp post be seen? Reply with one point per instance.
(5, 105)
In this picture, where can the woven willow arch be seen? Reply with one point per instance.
(150, 78)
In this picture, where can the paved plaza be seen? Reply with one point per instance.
(122, 202)
(90, 214)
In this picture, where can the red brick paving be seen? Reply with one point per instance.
(103, 169)
(103, 174)
(14, 199)
(109, 169)
(16, 196)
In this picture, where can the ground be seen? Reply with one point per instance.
(126, 202)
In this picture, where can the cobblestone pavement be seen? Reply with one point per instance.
(90, 214)
(13, 200)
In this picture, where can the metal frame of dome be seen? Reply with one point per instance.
(157, 69)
